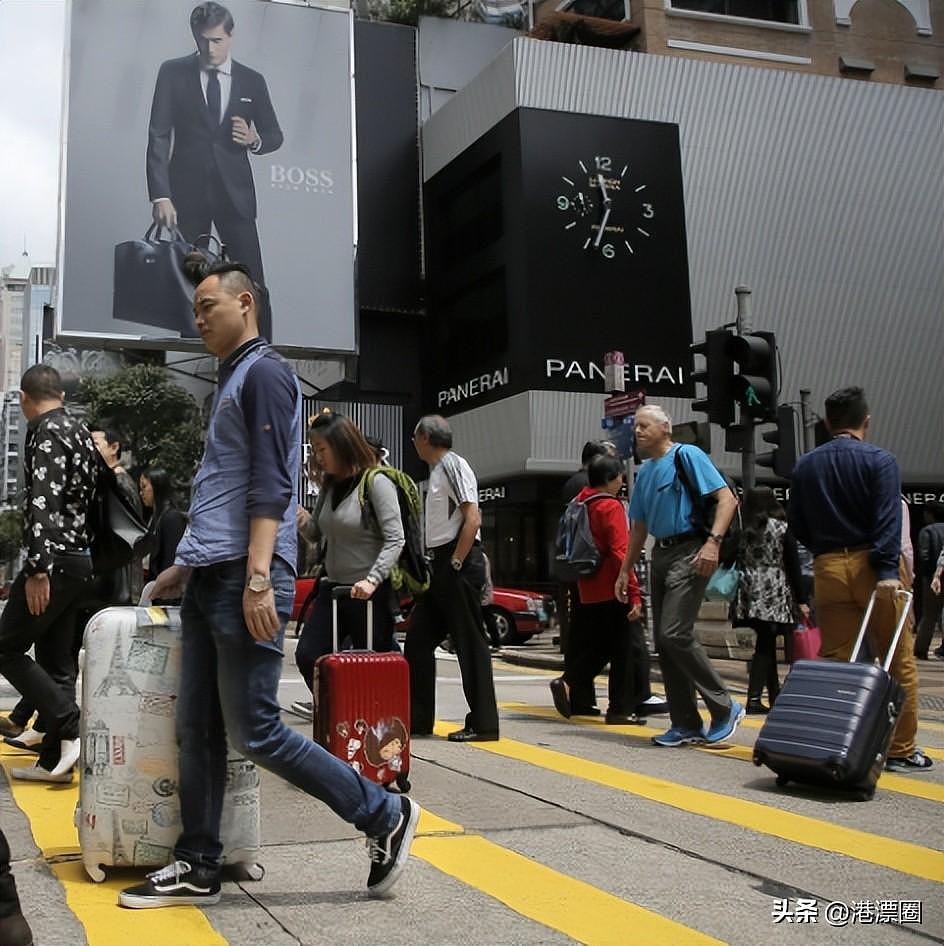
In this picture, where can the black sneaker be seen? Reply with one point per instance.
(179, 882)
(390, 852)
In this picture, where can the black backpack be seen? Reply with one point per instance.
(411, 572)
(703, 511)
(116, 532)
(576, 554)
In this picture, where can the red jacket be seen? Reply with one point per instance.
(610, 528)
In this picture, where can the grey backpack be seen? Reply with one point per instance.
(576, 554)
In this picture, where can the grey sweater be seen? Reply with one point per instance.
(355, 551)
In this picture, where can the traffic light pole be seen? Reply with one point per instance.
(745, 325)
(806, 425)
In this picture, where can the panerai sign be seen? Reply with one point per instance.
(633, 374)
(473, 387)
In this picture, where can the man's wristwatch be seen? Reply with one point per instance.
(259, 583)
(456, 565)
(716, 537)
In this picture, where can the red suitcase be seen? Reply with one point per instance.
(362, 706)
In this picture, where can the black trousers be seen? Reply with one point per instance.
(451, 605)
(9, 900)
(238, 233)
(49, 686)
(603, 636)
(316, 637)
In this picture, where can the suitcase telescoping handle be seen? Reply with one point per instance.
(908, 598)
(344, 591)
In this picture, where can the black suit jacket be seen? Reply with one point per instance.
(185, 147)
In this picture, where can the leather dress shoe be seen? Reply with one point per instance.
(9, 728)
(622, 719)
(561, 697)
(36, 773)
(470, 735)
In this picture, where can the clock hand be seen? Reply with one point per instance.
(606, 216)
(606, 197)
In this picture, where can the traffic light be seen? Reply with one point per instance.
(783, 457)
(755, 384)
(718, 402)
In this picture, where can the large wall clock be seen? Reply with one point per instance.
(604, 204)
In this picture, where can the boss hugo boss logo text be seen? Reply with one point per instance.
(633, 374)
(309, 180)
(473, 387)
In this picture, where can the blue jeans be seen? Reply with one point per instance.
(229, 688)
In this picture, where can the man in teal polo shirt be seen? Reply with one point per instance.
(682, 562)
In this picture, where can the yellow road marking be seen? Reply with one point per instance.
(539, 893)
(902, 856)
(926, 724)
(577, 909)
(902, 784)
(50, 810)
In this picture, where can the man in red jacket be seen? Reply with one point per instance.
(604, 633)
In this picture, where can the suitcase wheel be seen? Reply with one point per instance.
(94, 870)
(400, 785)
(782, 781)
(866, 794)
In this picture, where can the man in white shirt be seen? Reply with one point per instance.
(452, 603)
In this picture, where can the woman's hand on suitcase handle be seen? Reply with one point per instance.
(363, 589)
(260, 614)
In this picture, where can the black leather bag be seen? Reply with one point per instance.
(150, 283)
(118, 535)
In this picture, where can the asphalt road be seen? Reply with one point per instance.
(564, 831)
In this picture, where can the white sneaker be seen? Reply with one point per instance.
(36, 773)
(29, 739)
(68, 756)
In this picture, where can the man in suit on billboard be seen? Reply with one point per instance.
(208, 115)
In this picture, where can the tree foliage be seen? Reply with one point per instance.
(11, 535)
(159, 422)
(408, 12)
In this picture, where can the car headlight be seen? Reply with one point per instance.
(534, 604)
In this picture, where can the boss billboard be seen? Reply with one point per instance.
(203, 123)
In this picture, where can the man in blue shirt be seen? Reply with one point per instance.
(845, 507)
(235, 566)
(683, 560)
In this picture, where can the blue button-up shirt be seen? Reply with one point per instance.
(250, 462)
(845, 494)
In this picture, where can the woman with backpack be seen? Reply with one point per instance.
(360, 532)
(770, 589)
(607, 629)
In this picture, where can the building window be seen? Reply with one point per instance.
(773, 11)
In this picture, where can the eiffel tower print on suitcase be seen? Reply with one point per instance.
(129, 813)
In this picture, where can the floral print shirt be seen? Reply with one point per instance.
(60, 472)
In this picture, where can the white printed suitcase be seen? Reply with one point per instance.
(129, 813)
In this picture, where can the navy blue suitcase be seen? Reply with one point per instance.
(832, 723)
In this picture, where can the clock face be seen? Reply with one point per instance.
(605, 207)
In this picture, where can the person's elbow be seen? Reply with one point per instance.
(471, 516)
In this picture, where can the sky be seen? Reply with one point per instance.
(31, 45)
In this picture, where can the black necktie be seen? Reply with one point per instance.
(214, 98)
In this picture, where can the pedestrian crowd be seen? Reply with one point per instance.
(231, 561)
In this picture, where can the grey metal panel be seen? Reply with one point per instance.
(823, 195)
(470, 113)
(531, 432)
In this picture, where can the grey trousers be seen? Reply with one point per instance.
(676, 592)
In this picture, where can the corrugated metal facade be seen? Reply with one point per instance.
(823, 195)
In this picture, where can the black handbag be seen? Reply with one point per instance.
(150, 283)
